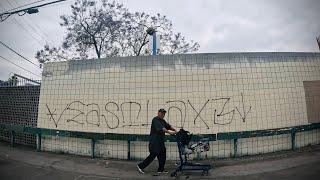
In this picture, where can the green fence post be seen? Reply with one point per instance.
(38, 142)
(129, 147)
(293, 140)
(12, 138)
(93, 142)
(235, 147)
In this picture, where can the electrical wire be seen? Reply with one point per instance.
(26, 30)
(19, 54)
(18, 66)
(5, 15)
(24, 24)
(35, 28)
(23, 6)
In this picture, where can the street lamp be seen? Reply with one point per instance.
(32, 10)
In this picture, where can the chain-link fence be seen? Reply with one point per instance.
(245, 103)
(19, 100)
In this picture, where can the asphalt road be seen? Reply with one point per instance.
(24, 163)
(14, 170)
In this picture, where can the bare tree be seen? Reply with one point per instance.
(94, 27)
(97, 29)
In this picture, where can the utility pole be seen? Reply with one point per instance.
(318, 41)
(152, 32)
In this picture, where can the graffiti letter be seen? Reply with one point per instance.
(51, 115)
(182, 118)
(146, 124)
(198, 113)
(244, 116)
(117, 121)
(80, 112)
(221, 113)
(130, 119)
(96, 111)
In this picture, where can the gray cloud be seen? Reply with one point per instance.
(219, 26)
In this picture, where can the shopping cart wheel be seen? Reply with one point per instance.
(205, 173)
(174, 174)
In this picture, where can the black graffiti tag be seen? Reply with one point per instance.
(131, 123)
(221, 114)
(76, 110)
(52, 115)
(117, 121)
(147, 123)
(198, 113)
(182, 117)
(96, 111)
(244, 115)
(130, 112)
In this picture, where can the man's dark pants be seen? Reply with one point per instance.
(161, 158)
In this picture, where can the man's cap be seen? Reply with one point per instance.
(162, 110)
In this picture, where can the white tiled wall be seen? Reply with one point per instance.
(250, 91)
(308, 138)
(260, 145)
(66, 145)
(111, 149)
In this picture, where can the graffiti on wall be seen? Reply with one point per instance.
(127, 114)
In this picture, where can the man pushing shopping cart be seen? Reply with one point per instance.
(157, 148)
(156, 142)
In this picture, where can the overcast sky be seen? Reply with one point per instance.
(218, 26)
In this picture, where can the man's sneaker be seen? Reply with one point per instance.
(140, 170)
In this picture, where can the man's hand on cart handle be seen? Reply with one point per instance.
(171, 132)
(174, 130)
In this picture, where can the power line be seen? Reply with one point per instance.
(28, 31)
(29, 10)
(23, 6)
(38, 31)
(16, 22)
(32, 28)
(18, 54)
(53, 5)
(18, 66)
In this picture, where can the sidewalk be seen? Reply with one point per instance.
(29, 164)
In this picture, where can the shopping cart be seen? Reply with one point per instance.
(185, 148)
